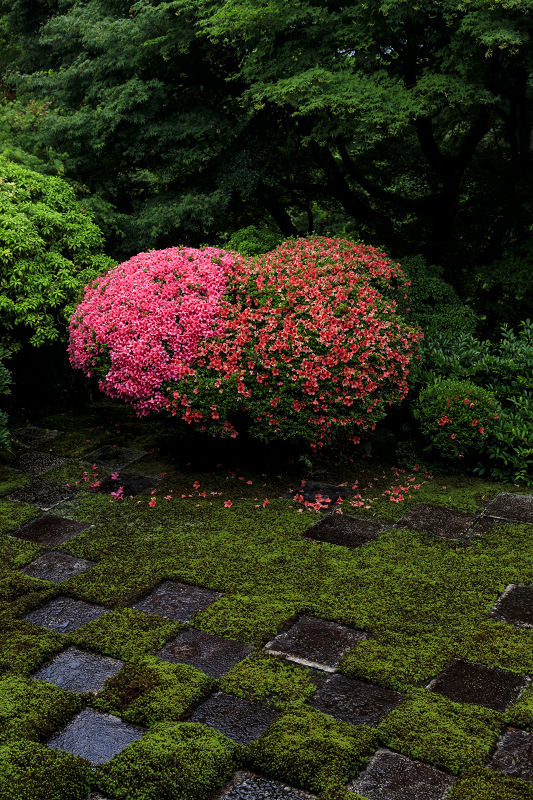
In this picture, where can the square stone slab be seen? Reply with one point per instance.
(95, 737)
(391, 776)
(246, 786)
(113, 457)
(314, 490)
(79, 671)
(316, 643)
(177, 601)
(35, 463)
(209, 653)
(31, 435)
(51, 531)
(515, 606)
(43, 494)
(514, 755)
(465, 682)
(238, 719)
(354, 701)
(517, 507)
(65, 614)
(57, 567)
(131, 484)
(437, 521)
(343, 530)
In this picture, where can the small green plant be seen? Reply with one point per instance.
(456, 417)
(5, 388)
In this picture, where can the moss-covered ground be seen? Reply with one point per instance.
(217, 519)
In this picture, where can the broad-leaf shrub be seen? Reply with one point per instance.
(456, 417)
(302, 342)
(49, 250)
(505, 369)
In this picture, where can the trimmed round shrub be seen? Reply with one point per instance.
(304, 342)
(456, 417)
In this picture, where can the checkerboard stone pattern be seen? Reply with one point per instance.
(208, 652)
(238, 719)
(515, 606)
(343, 530)
(57, 567)
(177, 601)
(391, 776)
(50, 531)
(354, 701)
(246, 786)
(63, 614)
(316, 643)
(465, 682)
(446, 523)
(515, 507)
(79, 671)
(514, 755)
(95, 737)
(43, 494)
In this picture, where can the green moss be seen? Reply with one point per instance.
(176, 761)
(264, 677)
(16, 553)
(33, 709)
(253, 619)
(521, 712)
(310, 750)
(482, 784)
(153, 691)
(31, 771)
(13, 515)
(20, 593)
(24, 647)
(433, 729)
(12, 479)
(126, 633)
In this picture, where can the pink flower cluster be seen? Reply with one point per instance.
(140, 325)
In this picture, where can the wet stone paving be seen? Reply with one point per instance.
(344, 531)
(50, 531)
(177, 601)
(437, 521)
(239, 719)
(514, 755)
(79, 671)
(391, 776)
(45, 495)
(36, 463)
(131, 484)
(515, 606)
(465, 682)
(316, 643)
(57, 567)
(354, 701)
(515, 507)
(246, 786)
(95, 737)
(114, 458)
(209, 653)
(65, 614)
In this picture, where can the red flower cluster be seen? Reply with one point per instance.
(306, 341)
(308, 346)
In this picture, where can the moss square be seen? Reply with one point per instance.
(32, 709)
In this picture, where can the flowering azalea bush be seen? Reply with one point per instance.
(456, 417)
(304, 342)
(139, 326)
